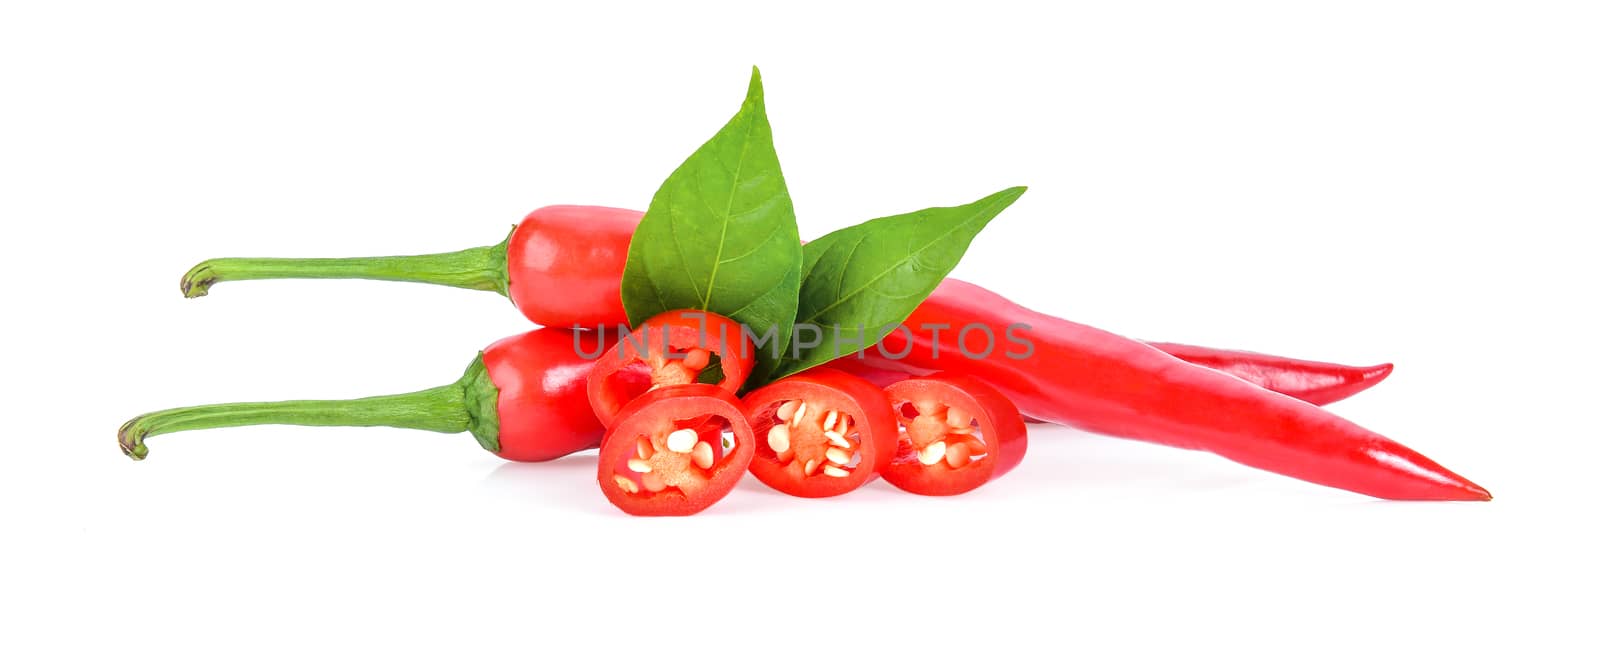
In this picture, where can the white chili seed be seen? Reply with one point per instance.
(829, 419)
(626, 484)
(639, 465)
(837, 440)
(786, 411)
(703, 457)
(811, 467)
(956, 417)
(778, 439)
(835, 472)
(682, 441)
(932, 453)
(958, 456)
(838, 456)
(799, 414)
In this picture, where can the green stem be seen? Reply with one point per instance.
(482, 268)
(465, 405)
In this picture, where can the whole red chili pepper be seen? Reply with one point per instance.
(563, 267)
(1319, 383)
(1085, 377)
(523, 398)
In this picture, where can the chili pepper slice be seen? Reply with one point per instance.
(820, 433)
(956, 433)
(672, 348)
(523, 398)
(675, 451)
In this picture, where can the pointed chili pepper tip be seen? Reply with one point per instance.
(1478, 492)
(1375, 374)
(197, 282)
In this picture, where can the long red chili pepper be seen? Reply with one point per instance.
(1319, 383)
(1085, 377)
(523, 399)
(563, 267)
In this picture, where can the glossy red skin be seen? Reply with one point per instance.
(824, 388)
(1105, 383)
(543, 404)
(646, 415)
(684, 330)
(1315, 382)
(1004, 434)
(564, 264)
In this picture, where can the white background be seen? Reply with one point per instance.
(1359, 182)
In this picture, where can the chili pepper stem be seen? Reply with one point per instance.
(465, 405)
(482, 268)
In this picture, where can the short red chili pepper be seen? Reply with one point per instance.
(820, 433)
(672, 348)
(563, 267)
(675, 451)
(1085, 377)
(523, 399)
(960, 433)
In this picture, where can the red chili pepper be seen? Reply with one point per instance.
(1081, 376)
(672, 348)
(675, 451)
(563, 267)
(960, 433)
(820, 433)
(1319, 383)
(523, 399)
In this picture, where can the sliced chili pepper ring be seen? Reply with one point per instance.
(955, 434)
(675, 451)
(820, 433)
(673, 348)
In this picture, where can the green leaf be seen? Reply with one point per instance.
(720, 235)
(862, 281)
